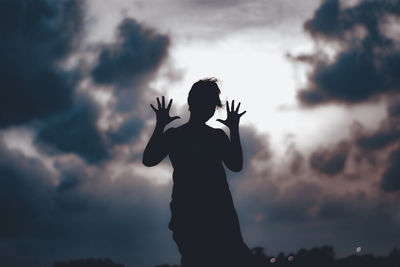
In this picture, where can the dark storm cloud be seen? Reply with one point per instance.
(73, 210)
(76, 131)
(391, 176)
(24, 191)
(365, 66)
(385, 136)
(296, 159)
(127, 65)
(256, 152)
(367, 219)
(35, 37)
(293, 205)
(296, 164)
(361, 218)
(128, 130)
(78, 213)
(394, 108)
(330, 161)
(303, 214)
(343, 208)
(255, 146)
(138, 52)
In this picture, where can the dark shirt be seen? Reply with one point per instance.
(200, 189)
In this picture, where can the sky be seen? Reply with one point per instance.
(321, 136)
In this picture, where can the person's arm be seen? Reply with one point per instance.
(157, 147)
(232, 154)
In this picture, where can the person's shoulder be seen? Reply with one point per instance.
(217, 131)
(174, 130)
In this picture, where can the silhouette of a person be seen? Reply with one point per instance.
(204, 221)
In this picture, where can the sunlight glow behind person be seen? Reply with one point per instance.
(256, 72)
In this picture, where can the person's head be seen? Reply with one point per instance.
(204, 98)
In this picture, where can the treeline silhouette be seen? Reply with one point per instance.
(325, 257)
(315, 257)
(88, 263)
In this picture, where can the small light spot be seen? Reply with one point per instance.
(259, 217)
(272, 260)
(290, 258)
(358, 249)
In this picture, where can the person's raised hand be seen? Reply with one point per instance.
(233, 116)
(162, 113)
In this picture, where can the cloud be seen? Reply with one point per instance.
(78, 211)
(296, 159)
(360, 214)
(126, 131)
(294, 204)
(24, 190)
(257, 153)
(130, 62)
(385, 135)
(209, 19)
(138, 51)
(394, 108)
(127, 65)
(256, 148)
(74, 209)
(278, 215)
(391, 176)
(330, 161)
(75, 131)
(365, 67)
(304, 213)
(385, 138)
(36, 37)
(367, 61)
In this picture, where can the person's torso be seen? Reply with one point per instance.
(196, 156)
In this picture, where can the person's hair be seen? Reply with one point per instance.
(205, 90)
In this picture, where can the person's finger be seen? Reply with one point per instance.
(158, 103)
(169, 104)
(237, 108)
(241, 114)
(233, 105)
(163, 102)
(221, 121)
(151, 105)
(227, 106)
